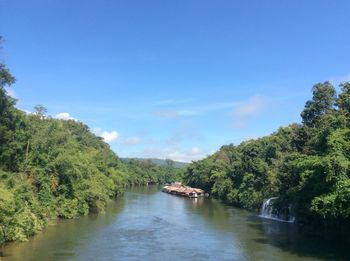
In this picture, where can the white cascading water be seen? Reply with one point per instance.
(267, 212)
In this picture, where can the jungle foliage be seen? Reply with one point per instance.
(52, 168)
(307, 165)
(146, 172)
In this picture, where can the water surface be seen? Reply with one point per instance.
(146, 224)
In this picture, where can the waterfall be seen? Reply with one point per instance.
(268, 211)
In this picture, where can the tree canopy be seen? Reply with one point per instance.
(307, 166)
(51, 168)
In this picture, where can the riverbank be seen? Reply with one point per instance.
(134, 227)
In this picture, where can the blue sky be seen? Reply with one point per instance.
(174, 78)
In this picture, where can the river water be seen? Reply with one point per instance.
(146, 224)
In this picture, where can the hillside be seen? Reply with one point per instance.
(160, 162)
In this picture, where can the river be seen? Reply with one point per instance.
(146, 224)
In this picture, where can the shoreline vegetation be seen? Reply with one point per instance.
(51, 168)
(305, 166)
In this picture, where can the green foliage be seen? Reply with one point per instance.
(160, 162)
(343, 100)
(53, 168)
(6, 78)
(147, 172)
(306, 166)
(322, 102)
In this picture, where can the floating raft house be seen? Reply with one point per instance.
(185, 191)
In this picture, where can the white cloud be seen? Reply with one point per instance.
(64, 116)
(248, 109)
(194, 110)
(114, 136)
(108, 136)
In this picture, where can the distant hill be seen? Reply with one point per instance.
(159, 162)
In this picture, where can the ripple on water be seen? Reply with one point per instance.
(157, 226)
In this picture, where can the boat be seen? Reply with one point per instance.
(185, 191)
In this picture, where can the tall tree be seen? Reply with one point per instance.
(6, 79)
(322, 102)
(40, 110)
(10, 119)
(343, 101)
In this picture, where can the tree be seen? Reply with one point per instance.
(169, 163)
(307, 167)
(10, 119)
(322, 102)
(6, 77)
(343, 100)
(40, 110)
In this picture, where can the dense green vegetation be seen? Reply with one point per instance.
(307, 166)
(146, 172)
(50, 168)
(160, 162)
(53, 168)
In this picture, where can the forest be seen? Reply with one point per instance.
(306, 166)
(52, 168)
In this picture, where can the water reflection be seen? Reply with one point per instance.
(149, 225)
(61, 239)
(290, 238)
(263, 239)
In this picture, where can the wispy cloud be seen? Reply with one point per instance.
(130, 141)
(192, 154)
(11, 92)
(185, 131)
(248, 109)
(172, 102)
(194, 110)
(217, 106)
(166, 114)
(188, 112)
